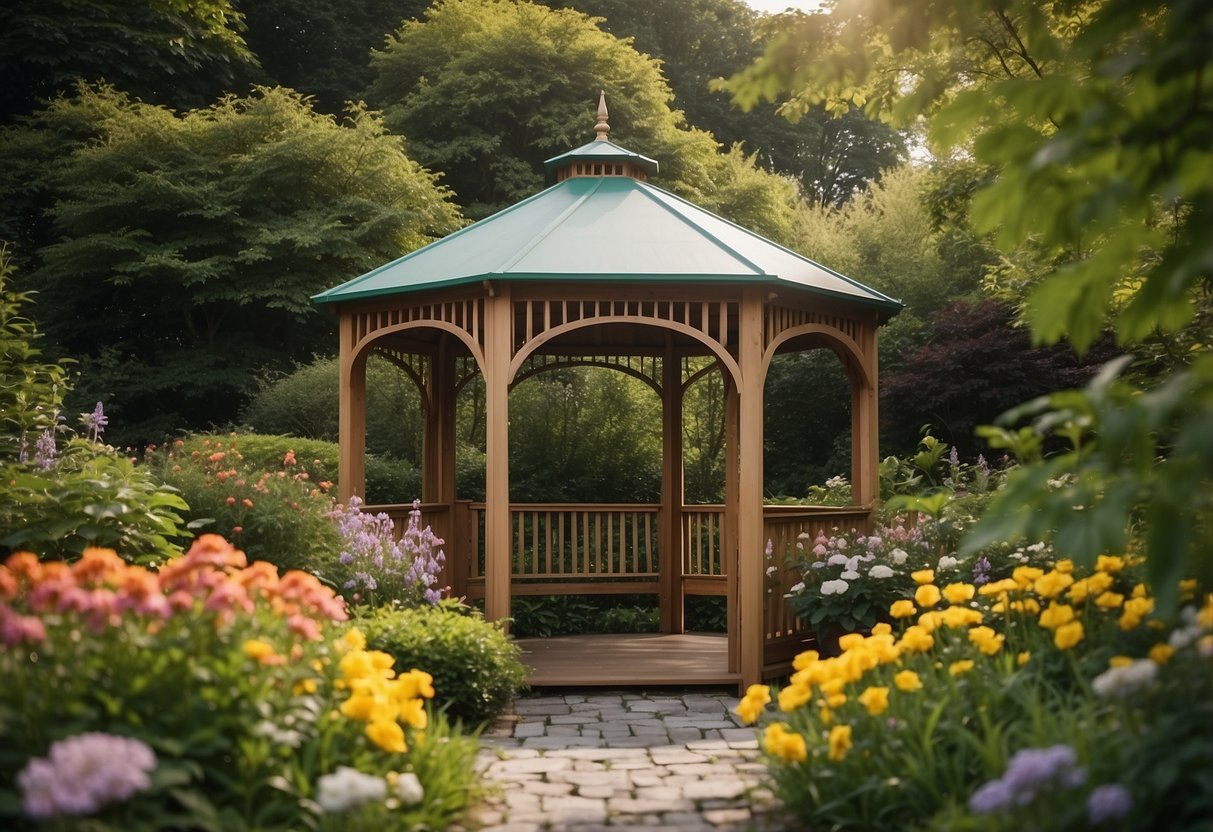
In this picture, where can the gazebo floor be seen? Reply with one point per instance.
(615, 660)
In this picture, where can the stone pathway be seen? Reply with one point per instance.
(623, 760)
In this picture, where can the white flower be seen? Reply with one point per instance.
(838, 587)
(804, 536)
(771, 570)
(797, 588)
(347, 788)
(837, 559)
(899, 556)
(1120, 682)
(819, 564)
(849, 575)
(880, 571)
(408, 789)
(947, 562)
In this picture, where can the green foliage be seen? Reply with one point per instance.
(90, 496)
(545, 616)
(477, 669)
(807, 421)
(168, 51)
(305, 403)
(272, 508)
(215, 226)
(1133, 460)
(31, 392)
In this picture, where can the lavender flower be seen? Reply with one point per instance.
(95, 422)
(406, 569)
(45, 450)
(1108, 802)
(1029, 772)
(981, 571)
(83, 773)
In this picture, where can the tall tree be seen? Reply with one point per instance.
(321, 48)
(185, 248)
(165, 51)
(698, 41)
(1095, 119)
(485, 90)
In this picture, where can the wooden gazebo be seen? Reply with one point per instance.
(603, 269)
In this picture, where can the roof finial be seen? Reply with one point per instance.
(602, 127)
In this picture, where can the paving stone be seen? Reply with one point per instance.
(714, 788)
(718, 817)
(634, 806)
(529, 729)
(564, 809)
(561, 742)
(738, 734)
(529, 764)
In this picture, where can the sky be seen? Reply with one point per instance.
(781, 5)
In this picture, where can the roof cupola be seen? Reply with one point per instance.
(601, 157)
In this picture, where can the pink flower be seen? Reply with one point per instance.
(83, 773)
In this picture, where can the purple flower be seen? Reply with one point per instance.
(990, 797)
(95, 422)
(1108, 802)
(83, 773)
(981, 571)
(45, 450)
(1032, 769)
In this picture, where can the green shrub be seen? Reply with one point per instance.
(477, 668)
(275, 512)
(89, 496)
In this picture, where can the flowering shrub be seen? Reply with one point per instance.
(1044, 694)
(274, 512)
(375, 567)
(245, 686)
(849, 580)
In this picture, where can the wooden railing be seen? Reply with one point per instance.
(614, 548)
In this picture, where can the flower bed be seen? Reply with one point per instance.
(1046, 697)
(219, 695)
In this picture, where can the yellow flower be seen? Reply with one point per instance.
(260, 650)
(958, 593)
(882, 628)
(1023, 658)
(1187, 589)
(751, 705)
(416, 683)
(839, 742)
(1120, 661)
(794, 696)
(1204, 616)
(1110, 600)
(916, 640)
(1140, 591)
(960, 667)
(1109, 563)
(804, 660)
(987, 641)
(1135, 609)
(1100, 582)
(1052, 584)
(388, 735)
(902, 609)
(930, 621)
(360, 706)
(1027, 605)
(850, 641)
(1056, 615)
(1067, 635)
(412, 711)
(923, 576)
(784, 744)
(836, 700)
(998, 587)
(352, 639)
(1079, 590)
(957, 617)
(304, 686)
(876, 700)
(1025, 576)
(825, 715)
(1161, 653)
(927, 595)
(907, 681)
(1066, 566)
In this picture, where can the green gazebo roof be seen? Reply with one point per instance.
(604, 229)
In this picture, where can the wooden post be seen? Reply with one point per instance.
(750, 489)
(351, 415)
(671, 601)
(438, 452)
(499, 318)
(865, 424)
(728, 530)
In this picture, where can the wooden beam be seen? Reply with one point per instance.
(750, 489)
(728, 530)
(351, 415)
(498, 322)
(671, 492)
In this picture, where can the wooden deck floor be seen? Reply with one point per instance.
(628, 660)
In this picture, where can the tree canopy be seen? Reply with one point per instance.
(167, 51)
(185, 248)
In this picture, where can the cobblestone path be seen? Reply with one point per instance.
(612, 761)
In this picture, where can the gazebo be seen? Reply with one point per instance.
(603, 269)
